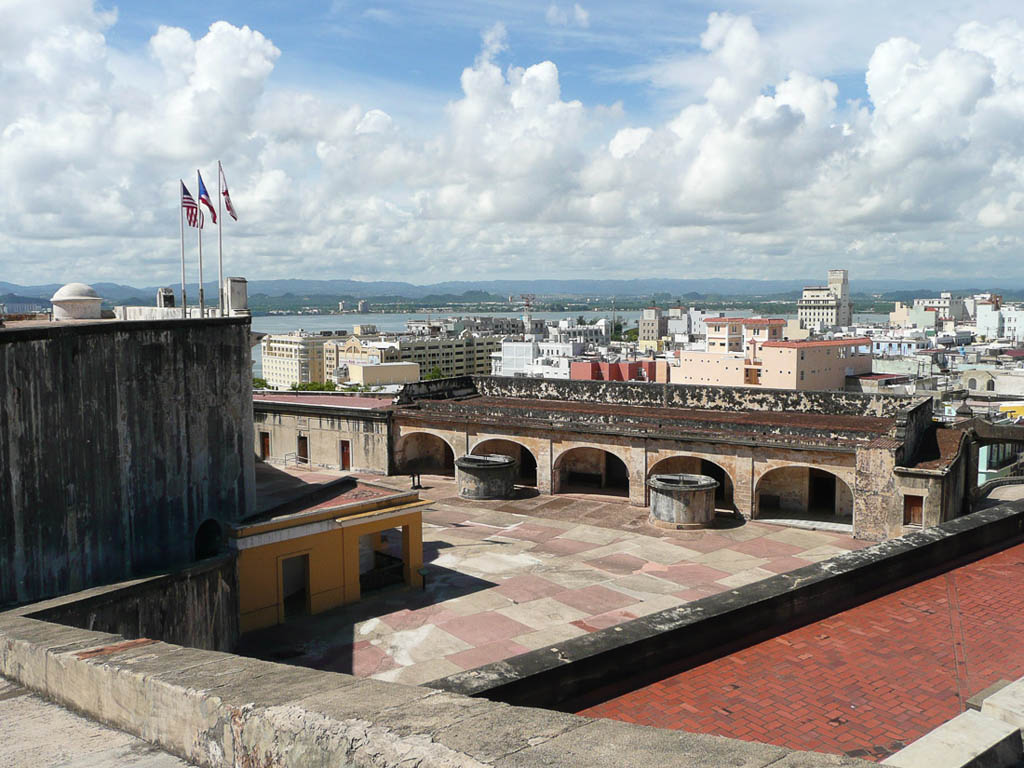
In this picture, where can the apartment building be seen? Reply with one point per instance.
(750, 352)
(946, 307)
(455, 356)
(652, 328)
(293, 358)
(826, 306)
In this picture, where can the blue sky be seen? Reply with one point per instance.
(475, 140)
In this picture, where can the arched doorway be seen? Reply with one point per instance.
(522, 454)
(425, 454)
(591, 470)
(695, 465)
(208, 540)
(804, 493)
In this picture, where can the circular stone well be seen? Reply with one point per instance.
(489, 476)
(682, 501)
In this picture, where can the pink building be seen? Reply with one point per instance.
(633, 370)
(751, 352)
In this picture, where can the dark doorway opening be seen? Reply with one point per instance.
(264, 445)
(723, 493)
(295, 585)
(527, 468)
(822, 491)
(616, 475)
(208, 540)
(302, 450)
(344, 454)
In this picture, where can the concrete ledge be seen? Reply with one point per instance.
(1006, 704)
(969, 740)
(216, 709)
(586, 670)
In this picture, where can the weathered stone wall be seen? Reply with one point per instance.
(877, 502)
(196, 606)
(367, 433)
(912, 425)
(693, 396)
(117, 440)
(438, 389)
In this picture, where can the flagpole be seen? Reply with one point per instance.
(181, 220)
(199, 221)
(220, 241)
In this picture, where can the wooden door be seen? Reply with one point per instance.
(264, 445)
(345, 454)
(912, 509)
(302, 451)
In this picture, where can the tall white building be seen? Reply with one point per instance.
(293, 358)
(826, 306)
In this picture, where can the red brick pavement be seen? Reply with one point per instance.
(863, 682)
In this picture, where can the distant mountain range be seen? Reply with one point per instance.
(115, 292)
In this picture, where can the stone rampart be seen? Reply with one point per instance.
(695, 396)
(121, 438)
(196, 606)
(216, 709)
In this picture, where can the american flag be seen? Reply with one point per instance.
(192, 213)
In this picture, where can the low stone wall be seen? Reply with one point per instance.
(216, 709)
(586, 670)
(195, 606)
(695, 396)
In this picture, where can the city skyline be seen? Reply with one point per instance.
(543, 139)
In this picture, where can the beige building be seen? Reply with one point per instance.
(652, 328)
(827, 306)
(455, 356)
(293, 358)
(380, 374)
(751, 352)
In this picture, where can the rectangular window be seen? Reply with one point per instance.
(913, 507)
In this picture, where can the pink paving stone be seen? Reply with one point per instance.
(762, 547)
(559, 546)
(483, 628)
(527, 587)
(621, 563)
(595, 599)
(361, 659)
(707, 542)
(785, 564)
(531, 532)
(406, 619)
(692, 574)
(603, 620)
(703, 590)
(486, 654)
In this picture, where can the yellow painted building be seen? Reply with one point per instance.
(308, 561)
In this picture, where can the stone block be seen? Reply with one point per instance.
(1006, 704)
(976, 701)
(608, 743)
(969, 740)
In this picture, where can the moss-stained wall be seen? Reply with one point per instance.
(695, 396)
(117, 440)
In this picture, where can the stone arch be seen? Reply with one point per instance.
(803, 491)
(591, 469)
(527, 471)
(972, 383)
(425, 453)
(698, 465)
(208, 539)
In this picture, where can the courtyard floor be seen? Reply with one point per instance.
(506, 577)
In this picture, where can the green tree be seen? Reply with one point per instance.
(314, 386)
(258, 383)
(435, 373)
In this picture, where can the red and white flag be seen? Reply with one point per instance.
(224, 192)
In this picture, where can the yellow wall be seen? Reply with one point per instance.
(333, 567)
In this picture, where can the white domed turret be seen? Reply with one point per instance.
(76, 301)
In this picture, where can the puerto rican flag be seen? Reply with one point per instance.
(204, 198)
(193, 215)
